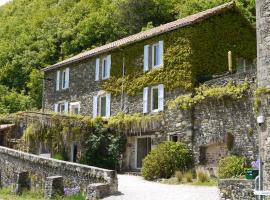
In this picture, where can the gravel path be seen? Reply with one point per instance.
(135, 188)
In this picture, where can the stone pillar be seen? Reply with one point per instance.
(22, 182)
(97, 191)
(263, 76)
(54, 186)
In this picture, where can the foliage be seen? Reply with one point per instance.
(134, 123)
(165, 159)
(103, 148)
(188, 176)
(260, 91)
(231, 166)
(12, 101)
(205, 92)
(35, 87)
(202, 176)
(102, 144)
(7, 194)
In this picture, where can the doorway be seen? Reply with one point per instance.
(143, 148)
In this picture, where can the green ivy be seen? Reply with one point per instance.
(257, 99)
(191, 54)
(203, 92)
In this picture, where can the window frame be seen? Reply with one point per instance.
(60, 107)
(152, 99)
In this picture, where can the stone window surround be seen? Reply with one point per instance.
(62, 79)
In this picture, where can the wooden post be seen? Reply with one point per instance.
(230, 61)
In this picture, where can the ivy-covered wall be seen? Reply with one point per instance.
(191, 55)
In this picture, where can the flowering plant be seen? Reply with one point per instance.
(256, 164)
(72, 191)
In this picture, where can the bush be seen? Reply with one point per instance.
(179, 175)
(165, 159)
(202, 176)
(231, 166)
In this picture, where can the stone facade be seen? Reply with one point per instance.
(12, 161)
(263, 68)
(205, 125)
(236, 189)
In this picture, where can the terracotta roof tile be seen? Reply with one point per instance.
(146, 34)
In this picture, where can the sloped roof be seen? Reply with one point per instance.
(145, 34)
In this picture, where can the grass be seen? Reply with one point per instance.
(6, 194)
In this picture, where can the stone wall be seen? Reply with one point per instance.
(12, 161)
(263, 76)
(236, 189)
(214, 119)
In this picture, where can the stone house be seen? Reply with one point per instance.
(142, 72)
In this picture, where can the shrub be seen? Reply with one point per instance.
(58, 156)
(188, 176)
(231, 166)
(202, 176)
(179, 175)
(165, 159)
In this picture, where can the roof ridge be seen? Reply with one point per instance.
(145, 34)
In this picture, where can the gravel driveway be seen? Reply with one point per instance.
(135, 188)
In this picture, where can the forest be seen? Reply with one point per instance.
(37, 33)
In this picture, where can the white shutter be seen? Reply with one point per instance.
(66, 107)
(145, 100)
(97, 69)
(67, 78)
(161, 44)
(108, 105)
(95, 106)
(109, 60)
(56, 107)
(160, 97)
(57, 80)
(146, 58)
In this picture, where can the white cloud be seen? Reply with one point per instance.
(2, 2)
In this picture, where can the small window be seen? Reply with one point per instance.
(103, 103)
(173, 138)
(62, 108)
(75, 108)
(63, 79)
(104, 68)
(154, 103)
(155, 55)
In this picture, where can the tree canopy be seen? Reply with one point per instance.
(38, 33)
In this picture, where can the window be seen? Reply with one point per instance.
(153, 98)
(102, 104)
(173, 138)
(102, 107)
(244, 65)
(105, 68)
(61, 107)
(62, 79)
(75, 108)
(155, 59)
(155, 55)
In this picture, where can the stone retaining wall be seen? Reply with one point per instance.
(12, 161)
(236, 189)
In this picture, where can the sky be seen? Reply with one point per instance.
(3, 2)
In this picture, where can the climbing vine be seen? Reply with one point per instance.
(191, 54)
(257, 97)
(204, 92)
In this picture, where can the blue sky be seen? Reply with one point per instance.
(3, 2)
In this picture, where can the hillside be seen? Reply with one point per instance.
(38, 33)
